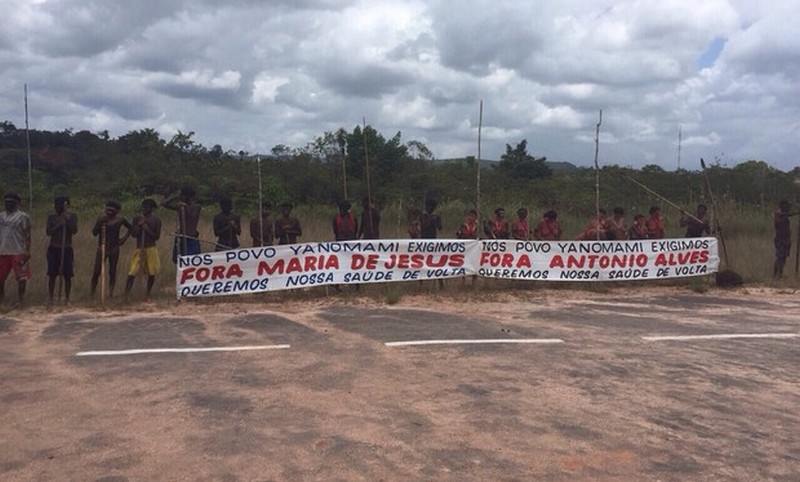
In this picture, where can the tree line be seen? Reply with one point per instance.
(141, 163)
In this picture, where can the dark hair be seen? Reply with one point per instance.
(345, 204)
(12, 195)
(551, 214)
(654, 209)
(225, 202)
(602, 211)
(187, 191)
(114, 204)
(266, 204)
(619, 211)
(61, 200)
(522, 211)
(474, 212)
(286, 204)
(498, 210)
(149, 203)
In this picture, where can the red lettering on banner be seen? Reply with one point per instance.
(557, 261)
(298, 265)
(524, 261)
(418, 261)
(205, 273)
(675, 259)
(497, 260)
(360, 261)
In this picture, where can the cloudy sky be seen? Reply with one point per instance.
(251, 74)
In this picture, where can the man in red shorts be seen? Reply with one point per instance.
(15, 246)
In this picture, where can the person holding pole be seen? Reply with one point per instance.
(430, 223)
(15, 246)
(261, 228)
(370, 220)
(61, 226)
(698, 224)
(227, 226)
(783, 237)
(108, 228)
(146, 230)
(287, 227)
(187, 241)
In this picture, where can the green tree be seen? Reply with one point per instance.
(517, 164)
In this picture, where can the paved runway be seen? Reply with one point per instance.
(555, 387)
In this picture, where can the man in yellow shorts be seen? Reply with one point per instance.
(146, 230)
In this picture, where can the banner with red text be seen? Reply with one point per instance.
(598, 260)
(273, 268)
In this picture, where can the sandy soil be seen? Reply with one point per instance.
(341, 405)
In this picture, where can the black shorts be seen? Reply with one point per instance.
(54, 262)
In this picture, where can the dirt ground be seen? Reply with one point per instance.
(601, 401)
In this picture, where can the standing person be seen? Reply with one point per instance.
(616, 225)
(113, 224)
(430, 223)
(638, 229)
(60, 257)
(698, 225)
(497, 227)
(370, 227)
(15, 246)
(415, 224)
(146, 230)
(261, 228)
(520, 230)
(287, 227)
(187, 240)
(469, 228)
(783, 237)
(227, 226)
(548, 228)
(345, 225)
(596, 229)
(655, 224)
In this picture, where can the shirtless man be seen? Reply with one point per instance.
(187, 240)
(108, 228)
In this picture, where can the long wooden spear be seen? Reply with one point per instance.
(478, 164)
(597, 171)
(366, 164)
(715, 213)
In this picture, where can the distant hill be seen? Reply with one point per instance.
(558, 167)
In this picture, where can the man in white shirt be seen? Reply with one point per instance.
(15, 246)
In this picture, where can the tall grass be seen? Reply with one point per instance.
(747, 230)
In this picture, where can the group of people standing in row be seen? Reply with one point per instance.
(113, 230)
(548, 228)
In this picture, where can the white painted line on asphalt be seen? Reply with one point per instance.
(540, 341)
(181, 350)
(728, 336)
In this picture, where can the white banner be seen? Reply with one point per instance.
(254, 270)
(598, 260)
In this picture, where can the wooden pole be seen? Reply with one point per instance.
(597, 170)
(103, 264)
(341, 141)
(715, 214)
(797, 252)
(28, 141)
(260, 204)
(478, 167)
(366, 160)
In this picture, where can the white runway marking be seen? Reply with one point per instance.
(542, 341)
(728, 336)
(181, 350)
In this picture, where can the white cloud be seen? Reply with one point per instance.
(249, 74)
